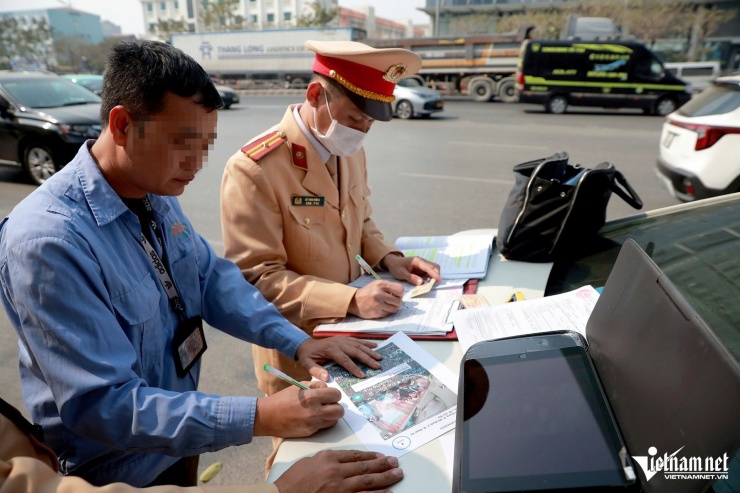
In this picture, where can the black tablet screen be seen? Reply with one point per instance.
(536, 421)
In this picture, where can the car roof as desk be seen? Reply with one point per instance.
(672, 385)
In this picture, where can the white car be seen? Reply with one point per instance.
(700, 144)
(413, 99)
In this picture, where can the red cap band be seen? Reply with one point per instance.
(362, 79)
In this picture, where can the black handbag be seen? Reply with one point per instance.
(555, 206)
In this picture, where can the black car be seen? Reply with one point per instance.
(228, 95)
(44, 118)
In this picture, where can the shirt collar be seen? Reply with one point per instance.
(322, 151)
(104, 202)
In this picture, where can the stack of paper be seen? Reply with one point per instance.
(566, 311)
(459, 256)
(428, 314)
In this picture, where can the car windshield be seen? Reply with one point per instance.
(48, 92)
(714, 100)
(696, 248)
(92, 84)
(410, 82)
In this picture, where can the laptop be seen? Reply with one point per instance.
(673, 386)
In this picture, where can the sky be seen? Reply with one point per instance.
(128, 13)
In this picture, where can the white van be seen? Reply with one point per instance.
(699, 74)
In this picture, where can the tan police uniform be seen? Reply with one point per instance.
(28, 466)
(290, 230)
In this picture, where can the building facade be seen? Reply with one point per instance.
(270, 14)
(66, 23)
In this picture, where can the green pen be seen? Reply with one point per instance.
(282, 376)
(367, 267)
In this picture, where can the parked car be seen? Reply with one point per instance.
(699, 74)
(228, 95)
(92, 82)
(413, 99)
(700, 144)
(44, 118)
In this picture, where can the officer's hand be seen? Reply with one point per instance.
(294, 413)
(315, 352)
(376, 300)
(341, 471)
(410, 269)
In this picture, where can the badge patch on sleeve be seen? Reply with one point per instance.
(307, 200)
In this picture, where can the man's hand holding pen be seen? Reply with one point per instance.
(376, 300)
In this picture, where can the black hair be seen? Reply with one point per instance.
(334, 88)
(139, 73)
(15, 416)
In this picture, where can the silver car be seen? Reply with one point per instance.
(413, 99)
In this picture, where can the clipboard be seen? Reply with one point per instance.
(470, 287)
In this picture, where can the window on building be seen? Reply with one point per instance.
(149, 7)
(190, 9)
(152, 27)
(177, 6)
(191, 28)
(287, 16)
(270, 17)
(253, 19)
(162, 5)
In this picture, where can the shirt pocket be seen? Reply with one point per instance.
(136, 311)
(306, 235)
(187, 279)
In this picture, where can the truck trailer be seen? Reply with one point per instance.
(272, 54)
(483, 65)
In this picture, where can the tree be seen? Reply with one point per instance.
(30, 43)
(167, 27)
(219, 16)
(472, 24)
(706, 21)
(547, 24)
(318, 16)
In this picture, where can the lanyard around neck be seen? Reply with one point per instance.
(159, 266)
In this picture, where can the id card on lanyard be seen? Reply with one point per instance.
(189, 341)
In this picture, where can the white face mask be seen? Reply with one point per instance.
(340, 140)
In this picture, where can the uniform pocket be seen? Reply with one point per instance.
(306, 235)
(136, 311)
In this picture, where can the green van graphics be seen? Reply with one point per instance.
(610, 74)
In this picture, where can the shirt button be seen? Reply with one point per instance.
(349, 245)
(342, 214)
(306, 221)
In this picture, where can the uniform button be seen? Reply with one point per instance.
(342, 214)
(349, 245)
(306, 221)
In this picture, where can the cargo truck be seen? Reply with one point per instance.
(482, 65)
(272, 54)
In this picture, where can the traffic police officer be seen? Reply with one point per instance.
(294, 200)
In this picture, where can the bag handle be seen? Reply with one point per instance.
(622, 188)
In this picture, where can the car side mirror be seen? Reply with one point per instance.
(4, 106)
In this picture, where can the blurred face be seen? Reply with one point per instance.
(343, 110)
(167, 149)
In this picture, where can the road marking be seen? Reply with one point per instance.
(489, 144)
(459, 178)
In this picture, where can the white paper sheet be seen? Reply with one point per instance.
(567, 311)
(428, 314)
(410, 401)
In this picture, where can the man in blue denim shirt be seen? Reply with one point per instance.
(104, 279)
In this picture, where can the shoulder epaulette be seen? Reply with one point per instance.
(263, 146)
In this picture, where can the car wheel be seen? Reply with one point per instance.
(404, 110)
(481, 90)
(665, 106)
(38, 163)
(507, 92)
(557, 105)
(227, 106)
